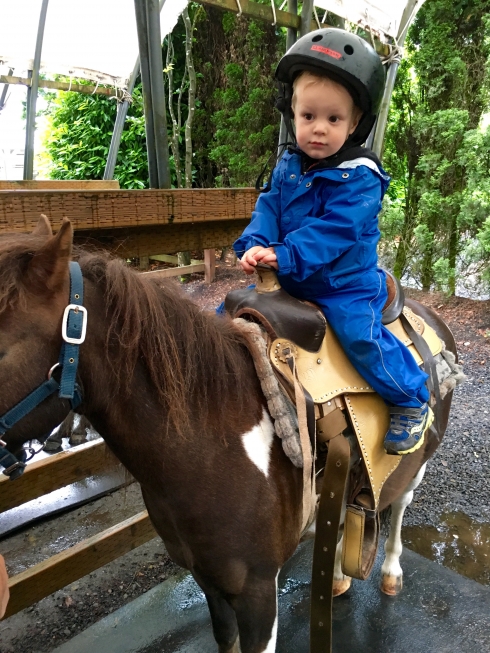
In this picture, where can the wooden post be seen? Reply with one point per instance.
(209, 265)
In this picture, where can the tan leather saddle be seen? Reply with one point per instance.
(283, 316)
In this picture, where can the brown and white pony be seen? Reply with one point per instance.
(174, 394)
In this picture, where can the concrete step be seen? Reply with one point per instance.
(438, 611)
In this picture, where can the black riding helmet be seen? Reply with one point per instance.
(345, 58)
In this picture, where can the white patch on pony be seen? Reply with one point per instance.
(271, 646)
(258, 441)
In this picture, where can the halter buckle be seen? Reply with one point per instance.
(64, 325)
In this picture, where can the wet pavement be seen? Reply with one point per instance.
(438, 611)
(457, 542)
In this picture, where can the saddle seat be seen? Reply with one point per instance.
(300, 321)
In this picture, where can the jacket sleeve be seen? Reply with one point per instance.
(320, 240)
(264, 226)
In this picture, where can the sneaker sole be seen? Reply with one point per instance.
(430, 420)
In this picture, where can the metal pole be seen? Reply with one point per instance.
(141, 18)
(4, 91)
(32, 96)
(382, 120)
(122, 112)
(306, 12)
(158, 92)
(409, 14)
(291, 37)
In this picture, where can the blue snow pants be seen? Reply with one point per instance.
(354, 313)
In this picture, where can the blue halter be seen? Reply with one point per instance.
(73, 330)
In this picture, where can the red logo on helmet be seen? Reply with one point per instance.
(331, 53)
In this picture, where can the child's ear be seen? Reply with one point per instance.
(356, 117)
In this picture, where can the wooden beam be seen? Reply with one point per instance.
(60, 184)
(106, 209)
(210, 265)
(283, 18)
(56, 572)
(173, 259)
(137, 242)
(176, 272)
(147, 241)
(57, 471)
(62, 86)
(256, 10)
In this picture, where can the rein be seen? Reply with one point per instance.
(73, 330)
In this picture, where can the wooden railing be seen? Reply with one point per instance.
(132, 223)
(47, 475)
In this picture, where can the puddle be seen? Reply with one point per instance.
(458, 543)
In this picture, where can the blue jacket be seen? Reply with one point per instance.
(322, 223)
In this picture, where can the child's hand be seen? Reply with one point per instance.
(248, 261)
(267, 255)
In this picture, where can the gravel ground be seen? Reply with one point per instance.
(456, 483)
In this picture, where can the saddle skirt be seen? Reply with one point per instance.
(328, 373)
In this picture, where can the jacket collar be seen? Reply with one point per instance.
(307, 163)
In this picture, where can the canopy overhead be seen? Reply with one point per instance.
(385, 18)
(93, 39)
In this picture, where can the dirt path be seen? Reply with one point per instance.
(457, 480)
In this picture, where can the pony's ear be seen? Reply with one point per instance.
(43, 227)
(48, 268)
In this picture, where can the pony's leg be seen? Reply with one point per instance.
(78, 433)
(55, 440)
(391, 571)
(341, 583)
(225, 627)
(256, 612)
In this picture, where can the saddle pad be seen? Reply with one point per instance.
(328, 372)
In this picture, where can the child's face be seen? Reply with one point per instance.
(324, 116)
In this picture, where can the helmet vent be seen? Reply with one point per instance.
(348, 49)
(318, 37)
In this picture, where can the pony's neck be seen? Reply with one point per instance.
(153, 366)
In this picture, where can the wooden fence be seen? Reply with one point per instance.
(58, 471)
(132, 223)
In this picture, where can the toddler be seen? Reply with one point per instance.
(317, 224)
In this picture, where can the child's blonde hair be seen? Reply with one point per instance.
(311, 78)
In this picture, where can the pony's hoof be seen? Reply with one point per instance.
(51, 446)
(392, 585)
(341, 586)
(77, 438)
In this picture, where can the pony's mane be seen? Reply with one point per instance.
(192, 359)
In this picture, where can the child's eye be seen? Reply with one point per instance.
(308, 116)
(333, 119)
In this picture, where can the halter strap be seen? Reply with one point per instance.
(73, 328)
